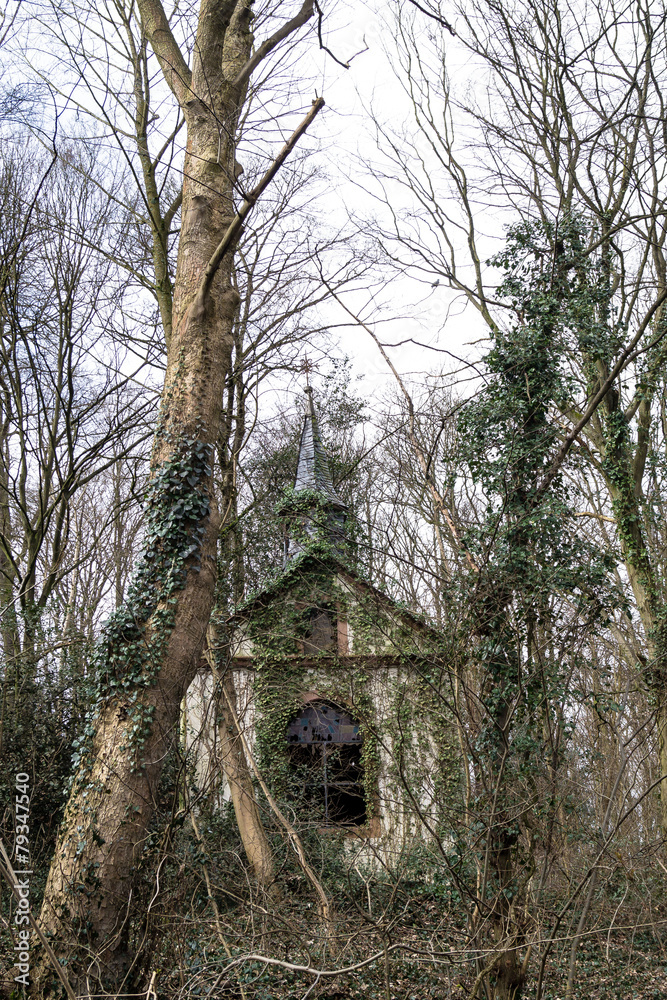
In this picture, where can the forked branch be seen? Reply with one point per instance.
(280, 35)
(173, 65)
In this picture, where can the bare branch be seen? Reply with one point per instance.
(434, 17)
(324, 48)
(269, 45)
(438, 499)
(236, 225)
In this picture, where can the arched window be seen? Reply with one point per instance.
(325, 751)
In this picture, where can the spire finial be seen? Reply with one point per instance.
(307, 367)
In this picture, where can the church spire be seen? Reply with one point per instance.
(313, 471)
(315, 512)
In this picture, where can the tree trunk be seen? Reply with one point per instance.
(623, 476)
(239, 779)
(149, 658)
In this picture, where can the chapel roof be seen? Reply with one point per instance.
(315, 561)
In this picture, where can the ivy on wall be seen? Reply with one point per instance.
(394, 701)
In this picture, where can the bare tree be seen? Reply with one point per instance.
(568, 127)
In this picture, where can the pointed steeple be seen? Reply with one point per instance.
(313, 471)
(315, 512)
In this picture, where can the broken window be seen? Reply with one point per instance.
(325, 752)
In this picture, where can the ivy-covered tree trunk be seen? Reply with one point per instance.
(623, 465)
(151, 647)
(530, 571)
(502, 670)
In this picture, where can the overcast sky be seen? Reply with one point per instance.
(435, 317)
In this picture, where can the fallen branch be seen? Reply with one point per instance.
(308, 968)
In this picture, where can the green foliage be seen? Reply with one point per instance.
(400, 711)
(528, 541)
(278, 626)
(129, 652)
(176, 505)
(537, 584)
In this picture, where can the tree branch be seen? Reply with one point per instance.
(438, 499)
(552, 471)
(435, 17)
(309, 968)
(173, 65)
(323, 47)
(236, 225)
(262, 52)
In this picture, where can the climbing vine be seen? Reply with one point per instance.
(537, 586)
(128, 654)
(277, 622)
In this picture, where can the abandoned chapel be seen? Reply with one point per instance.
(319, 686)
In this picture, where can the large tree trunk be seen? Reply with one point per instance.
(148, 662)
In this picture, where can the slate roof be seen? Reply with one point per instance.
(313, 471)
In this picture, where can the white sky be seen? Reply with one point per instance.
(343, 138)
(434, 317)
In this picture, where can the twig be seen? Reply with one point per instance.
(434, 17)
(438, 499)
(324, 48)
(151, 993)
(311, 987)
(308, 968)
(262, 52)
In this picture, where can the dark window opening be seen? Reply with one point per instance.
(322, 631)
(327, 770)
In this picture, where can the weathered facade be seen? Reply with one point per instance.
(333, 684)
